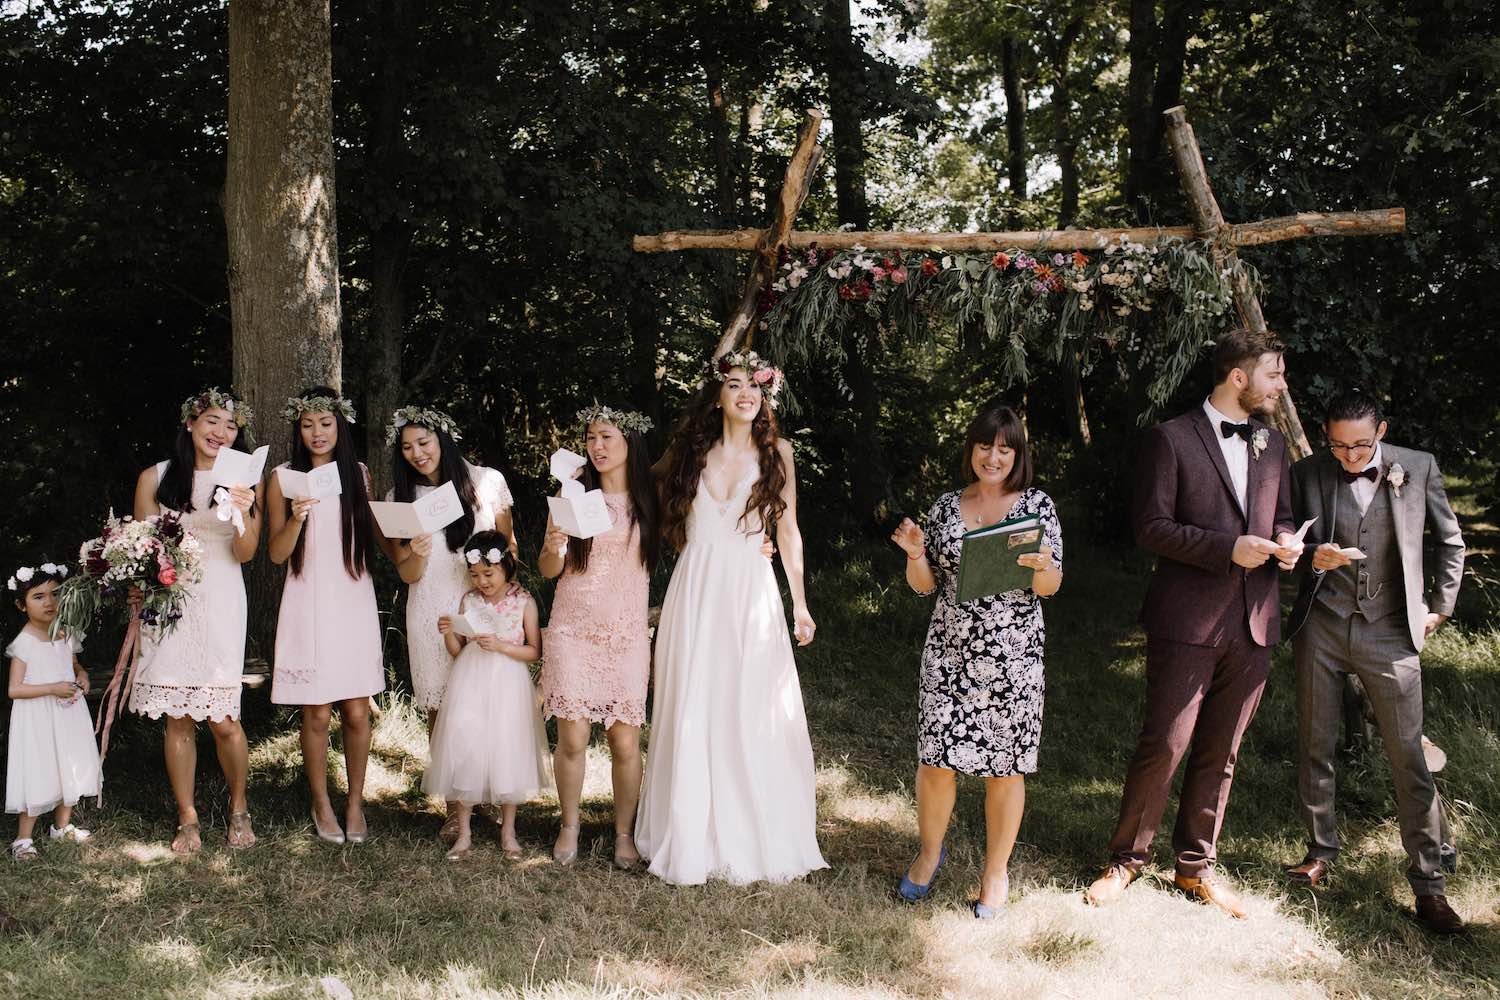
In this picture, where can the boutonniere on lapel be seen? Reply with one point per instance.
(1258, 441)
(1396, 476)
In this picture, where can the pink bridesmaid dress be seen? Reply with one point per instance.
(328, 631)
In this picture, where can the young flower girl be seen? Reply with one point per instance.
(489, 745)
(53, 761)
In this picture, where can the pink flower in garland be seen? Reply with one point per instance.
(1024, 261)
(878, 272)
(898, 274)
(167, 576)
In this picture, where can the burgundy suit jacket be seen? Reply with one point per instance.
(1186, 514)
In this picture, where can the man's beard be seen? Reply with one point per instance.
(1256, 404)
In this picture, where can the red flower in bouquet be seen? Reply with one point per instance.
(167, 576)
(1001, 260)
(929, 267)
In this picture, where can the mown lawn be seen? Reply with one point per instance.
(123, 917)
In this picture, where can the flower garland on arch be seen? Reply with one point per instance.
(1151, 307)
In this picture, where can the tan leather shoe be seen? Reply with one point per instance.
(1313, 873)
(1437, 916)
(1111, 885)
(1213, 888)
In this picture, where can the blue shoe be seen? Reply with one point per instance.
(914, 893)
(983, 912)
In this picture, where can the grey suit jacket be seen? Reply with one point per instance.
(1422, 507)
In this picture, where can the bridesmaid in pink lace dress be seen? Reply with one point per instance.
(597, 651)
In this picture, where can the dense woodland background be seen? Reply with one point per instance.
(493, 160)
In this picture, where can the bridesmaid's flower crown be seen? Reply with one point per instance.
(762, 373)
(195, 406)
(433, 420)
(298, 405)
(25, 574)
(626, 420)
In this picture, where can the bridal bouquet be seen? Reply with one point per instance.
(144, 569)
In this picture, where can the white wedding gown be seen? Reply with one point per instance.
(729, 787)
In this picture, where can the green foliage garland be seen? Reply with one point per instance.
(1151, 306)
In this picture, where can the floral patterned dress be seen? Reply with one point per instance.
(979, 704)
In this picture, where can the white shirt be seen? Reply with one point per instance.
(1364, 489)
(1236, 452)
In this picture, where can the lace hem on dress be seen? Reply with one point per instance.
(198, 703)
(607, 714)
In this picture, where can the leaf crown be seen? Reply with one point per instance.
(422, 416)
(626, 420)
(194, 406)
(298, 405)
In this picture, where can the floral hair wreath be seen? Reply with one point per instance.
(433, 420)
(767, 376)
(25, 574)
(296, 406)
(494, 557)
(195, 406)
(626, 420)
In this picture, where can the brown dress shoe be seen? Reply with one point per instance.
(1313, 872)
(1211, 887)
(1111, 885)
(1434, 913)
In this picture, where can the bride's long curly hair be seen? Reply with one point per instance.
(700, 428)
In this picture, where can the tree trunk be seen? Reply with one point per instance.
(1140, 121)
(1062, 122)
(1015, 125)
(283, 243)
(1179, 20)
(390, 239)
(726, 285)
(644, 386)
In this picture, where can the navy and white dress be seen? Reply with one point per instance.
(979, 705)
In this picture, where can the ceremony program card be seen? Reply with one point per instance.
(482, 620)
(987, 564)
(316, 484)
(434, 512)
(236, 468)
(579, 512)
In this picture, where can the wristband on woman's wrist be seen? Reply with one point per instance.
(919, 555)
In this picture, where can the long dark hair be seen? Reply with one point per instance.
(354, 501)
(174, 490)
(451, 469)
(645, 506)
(699, 430)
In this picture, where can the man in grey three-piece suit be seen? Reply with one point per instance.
(1367, 603)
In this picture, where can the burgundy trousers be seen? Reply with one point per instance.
(1199, 701)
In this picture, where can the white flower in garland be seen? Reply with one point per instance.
(25, 573)
(494, 556)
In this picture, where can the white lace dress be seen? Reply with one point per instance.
(52, 757)
(442, 585)
(195, 669)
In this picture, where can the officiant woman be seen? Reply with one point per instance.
(979, 702)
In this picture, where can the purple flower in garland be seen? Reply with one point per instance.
(1059, 260)
(1024, 261)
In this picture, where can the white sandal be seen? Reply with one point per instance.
(23, 850)
(69, 832)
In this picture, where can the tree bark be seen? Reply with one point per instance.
(717, 115)
(1062, 122)
(1179, 20)
(846, 105)
(1015, 125)
(283, 241)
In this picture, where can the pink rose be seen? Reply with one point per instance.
(898, 275)
(878, 273)
(167, 577)
(762, 376)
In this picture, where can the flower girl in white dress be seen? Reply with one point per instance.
(53, 760)
(489, 745)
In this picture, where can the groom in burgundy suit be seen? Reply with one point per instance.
(1213, 490)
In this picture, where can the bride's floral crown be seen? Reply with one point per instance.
(298, 405)
(762, 373)
(194, 406)
(25, 574)
(433, 420)
(626, 420)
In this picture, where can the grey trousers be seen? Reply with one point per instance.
(1380, 653)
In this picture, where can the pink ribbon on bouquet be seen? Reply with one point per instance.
(109, 704)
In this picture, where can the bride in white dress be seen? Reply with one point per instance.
(729, 787)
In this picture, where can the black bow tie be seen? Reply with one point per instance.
(1230, 430)
(1371, 474)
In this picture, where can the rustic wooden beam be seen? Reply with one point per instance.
(1209, 222)
(1376, 222)
(805, 158)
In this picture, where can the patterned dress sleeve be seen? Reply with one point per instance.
(1051, 527)
(933, 527)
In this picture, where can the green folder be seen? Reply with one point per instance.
(987, 562)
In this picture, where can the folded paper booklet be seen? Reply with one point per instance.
(434, 512)
(987, 562)
(482, 620)
(1350, 552)
(236, 468)
(579, 512)
(316, 484)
